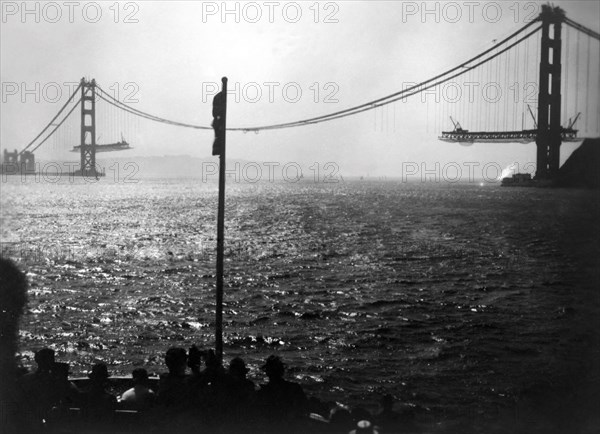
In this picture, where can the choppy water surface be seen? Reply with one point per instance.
(450, 297)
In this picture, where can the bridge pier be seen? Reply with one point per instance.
(14, 163)
(10, 157)
(27, 162)
(88, 130)
(548, 139)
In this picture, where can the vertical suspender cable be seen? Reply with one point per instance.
(496, 112)
(487, 102)
(442, 107)
(538, 45)
(577, 75)
(479, 100)
(519, 79)
(506, 93)
(498, 69)
(526, 77)
(587, 86)
(473, 100)
(516, 73)
(445, 106)
(565, 93)
(501, 122)
(437, 113)
(470, 100)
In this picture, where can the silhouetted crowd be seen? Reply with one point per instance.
(209, 399)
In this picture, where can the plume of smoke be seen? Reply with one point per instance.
(509, 170)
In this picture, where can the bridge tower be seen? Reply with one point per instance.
(549, 129)
(88, 128)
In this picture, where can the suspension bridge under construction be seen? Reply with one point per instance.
(551, 53)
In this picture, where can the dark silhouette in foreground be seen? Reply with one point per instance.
(282, 403)
(173, 389)
(239, 395)
(98, 405)
(207, 400)
(140, 397)
(39, 389)
(13, 297)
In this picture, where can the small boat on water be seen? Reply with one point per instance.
(518, 180)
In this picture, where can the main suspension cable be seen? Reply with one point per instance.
(52, 121)
(346, 112)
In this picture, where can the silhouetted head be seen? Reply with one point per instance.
(194, 358)
(274, 367)
(176, 359)
(140, 376)
(44, 359)
(237, 368)
(99, 373)
(212, 362)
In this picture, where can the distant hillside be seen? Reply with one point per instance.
(184, 166)
(582, 169)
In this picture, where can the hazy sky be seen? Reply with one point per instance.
(166, 57)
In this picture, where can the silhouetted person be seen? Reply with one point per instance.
(239, 394)
(194, 359)
(39, 388)
(13, 297)
(98, 405)
(283, 402)
(237, 372)
(213, 370)
(140, 396)
(67, 395)
(211, 390)
(173, 390)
